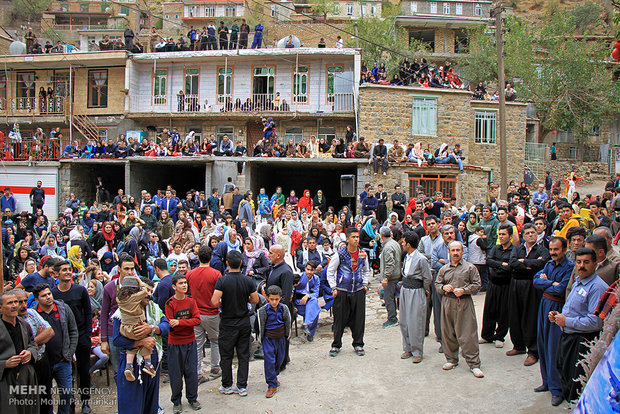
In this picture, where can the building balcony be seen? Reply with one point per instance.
(53, 106)
(227, 103)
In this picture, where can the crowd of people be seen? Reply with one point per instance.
(146, 283)
(416, 73)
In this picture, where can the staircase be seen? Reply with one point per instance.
(86, 127)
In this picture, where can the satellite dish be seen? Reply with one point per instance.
(17, 48)
(282, 42)
(528, 176)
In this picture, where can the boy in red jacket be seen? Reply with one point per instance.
(182, 314)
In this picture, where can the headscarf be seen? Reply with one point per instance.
(135, 234)
(75, 259)
(95, 300)
(107, 267)
(254, 254)
(231, 246)
(109, 237)
(471, 227)
(370, 231)
(169, 262)
(75, 234)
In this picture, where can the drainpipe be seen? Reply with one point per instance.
(70, 103)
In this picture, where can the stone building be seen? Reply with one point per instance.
(434, 116)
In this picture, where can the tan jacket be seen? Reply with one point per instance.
(464, 275)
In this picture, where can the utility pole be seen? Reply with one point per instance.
(499, 40)
(357, 39)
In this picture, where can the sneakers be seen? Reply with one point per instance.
(177, 409)
(305, 329)
(334, 351)
(448, 366)
(359, 351)
(390, 323)
(149, 369)
(195, 405)
(499, 344)
(129, 373)
(477, 372)
(405, 355)
(226, 390)
(243, 392)
(270, 392)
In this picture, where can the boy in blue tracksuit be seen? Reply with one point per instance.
(307, 299)
(274, 326)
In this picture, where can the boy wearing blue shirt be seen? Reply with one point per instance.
(307, 299)
(274, 321)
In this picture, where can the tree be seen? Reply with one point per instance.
(567, 78)
(30, 9)
(586, 17)
(324, 7)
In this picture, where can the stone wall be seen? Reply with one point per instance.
(590, 171)
(386, 112)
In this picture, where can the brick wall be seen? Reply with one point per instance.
(386, 112)
(116, 98)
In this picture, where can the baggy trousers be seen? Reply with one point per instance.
(412, 310)
(459, 328)
(310, 311)
(570, 348)
(524, 300)
(496, 312)
(182, 365)
(349, 310)
(274, 350)
(548, 337)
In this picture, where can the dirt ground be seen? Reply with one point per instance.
(381, 381)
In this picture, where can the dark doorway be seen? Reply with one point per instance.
(299, 177)
(255, 133)
(112, 174)
(154, 176)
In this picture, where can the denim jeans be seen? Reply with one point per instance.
(61, 372)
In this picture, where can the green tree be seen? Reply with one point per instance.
(586, 17)
(324, 7)
(30, 9)
(567, 78)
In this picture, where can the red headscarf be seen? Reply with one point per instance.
(109, 237)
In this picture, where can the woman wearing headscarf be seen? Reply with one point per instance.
(294, 224)
(186, 238)
(51, 248)
(392, 221)
(95, 294)
(368, 237)
(320, 201)
(471, 224)
(340, 150)
(229, 243)
(305, 202)
(165, 226)
(255, 263)
(104, 241)
(416, 154)
(75, 257)
(107, 262)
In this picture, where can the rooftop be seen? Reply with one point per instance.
(190, 55)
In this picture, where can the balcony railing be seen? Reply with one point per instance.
(55, 105)
(31, 149)
(258, 102)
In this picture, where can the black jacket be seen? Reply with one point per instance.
(533, 262)
(500, 274)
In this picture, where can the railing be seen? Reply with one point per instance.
(31, 149)
(258, 102)
(55, 105)
(77, 26)
(536, 152)
(86, 127)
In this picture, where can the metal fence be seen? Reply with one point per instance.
(535, 151)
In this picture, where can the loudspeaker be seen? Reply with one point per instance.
(347, 185)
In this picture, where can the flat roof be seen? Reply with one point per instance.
(62, 60)
(432, 21)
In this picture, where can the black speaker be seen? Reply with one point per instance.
(347, 185)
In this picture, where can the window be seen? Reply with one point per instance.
(336, 9)
(596, 131)
(431, 183)
(446, 8)
(413, 7)
(433, 7)
(424, 114)
(477, 10)
(349, 9)
(296, 134)
(363, 10)
(565, 136)
(209, 11)
(197, 133)
(98, 88)
(83, 8)
(327, 133)
(274, 11)
(373, 10)
(191, 81)
(332, 73)
(459, 8)
(230, 11)
(160, 80)
(224, 84)
(264, 84)
(574, 153)
(125, 11)
(225, 130)
(300, 85)
(485, 128)
(103, 133)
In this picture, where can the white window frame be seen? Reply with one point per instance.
(373, 10)
(424, 116)
(413, 7)
(433, 7)
(349, 9)
(477, 9)
(274, 11)
(301, 98)
(485, 126)
(363, 12)
(296, 133)
(209, 11)
(446, 8)
(161, 98)
(228, 81)
(458, 9)
(230, 11)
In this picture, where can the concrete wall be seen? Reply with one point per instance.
(386, 112)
